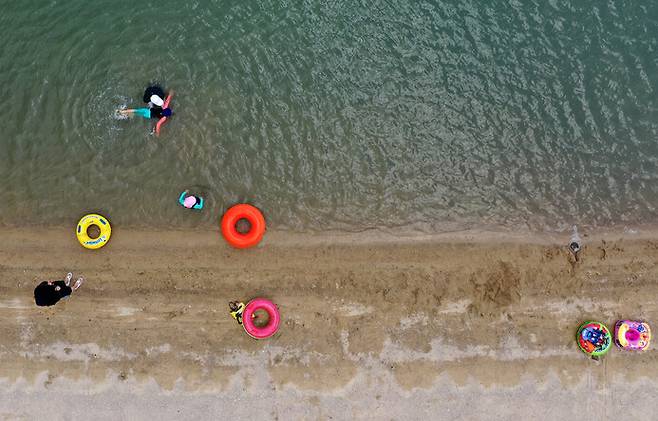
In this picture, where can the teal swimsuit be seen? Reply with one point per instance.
(143, 112)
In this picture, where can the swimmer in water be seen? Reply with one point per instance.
(157, 107)
(191, 201)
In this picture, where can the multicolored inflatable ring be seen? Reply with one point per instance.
(594, 338)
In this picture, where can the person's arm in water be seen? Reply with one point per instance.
(181, 199)
(168, 99)
(126, 111)
(163, 119)
(159, 124)
(200, 204)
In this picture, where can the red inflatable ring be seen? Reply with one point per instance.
(272, 314)
(255, 219)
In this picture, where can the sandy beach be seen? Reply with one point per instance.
(418, 165)
(374, 326)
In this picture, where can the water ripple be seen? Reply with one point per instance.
(334, 115)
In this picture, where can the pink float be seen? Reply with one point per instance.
(246, 316)
(633, 335)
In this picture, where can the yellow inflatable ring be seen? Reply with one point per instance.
(103, 225)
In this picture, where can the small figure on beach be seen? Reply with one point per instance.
(190, 201)
(575, 243)
(156, 106)
(48, 293)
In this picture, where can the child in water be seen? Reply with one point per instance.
(191, 201)
(157, 107)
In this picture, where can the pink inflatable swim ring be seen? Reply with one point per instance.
(248, 318)
(634, 335)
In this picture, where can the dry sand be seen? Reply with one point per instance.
(467, 326)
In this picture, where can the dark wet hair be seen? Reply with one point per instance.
(153, 90)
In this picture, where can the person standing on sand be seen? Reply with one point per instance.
(48, 293)
(575, 243)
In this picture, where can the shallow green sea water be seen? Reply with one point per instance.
(333, 115)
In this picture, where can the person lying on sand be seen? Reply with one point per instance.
(48, 293)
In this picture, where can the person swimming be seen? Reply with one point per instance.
(190, 201)
(157, 107)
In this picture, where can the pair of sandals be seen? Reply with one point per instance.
(77, 283)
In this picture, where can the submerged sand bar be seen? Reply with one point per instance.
(460, 326)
